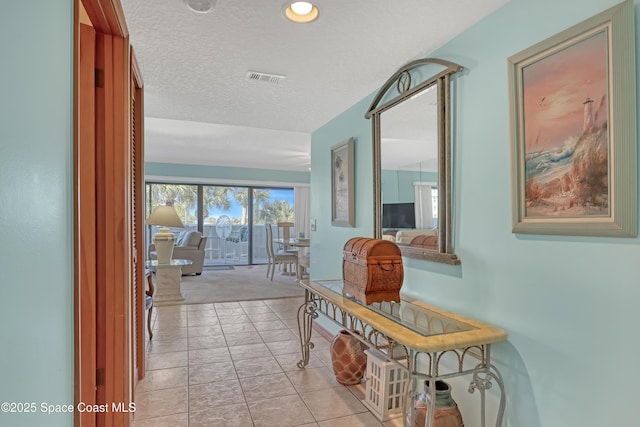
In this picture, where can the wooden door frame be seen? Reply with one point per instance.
(102, 220)
(85, 231)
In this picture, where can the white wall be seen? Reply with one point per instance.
(36, 209)
(569, 304)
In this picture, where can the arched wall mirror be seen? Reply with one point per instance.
(412, 160)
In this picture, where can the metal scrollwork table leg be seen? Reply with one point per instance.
(306, 313)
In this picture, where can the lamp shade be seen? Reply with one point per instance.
(165, 216)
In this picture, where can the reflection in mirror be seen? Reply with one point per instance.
(409, 168)
(412, 182)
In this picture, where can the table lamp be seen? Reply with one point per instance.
(165, 216)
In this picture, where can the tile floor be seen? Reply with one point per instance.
(234, 364)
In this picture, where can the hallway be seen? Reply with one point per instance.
(234, 364)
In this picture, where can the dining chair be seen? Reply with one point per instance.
(302, 269)
(148, 300)
(284, 230)
(277, 257)
(284, 233)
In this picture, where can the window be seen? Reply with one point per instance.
(200, 207)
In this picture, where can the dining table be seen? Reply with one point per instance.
(292, 242)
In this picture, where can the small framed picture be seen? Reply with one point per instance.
(342, 184)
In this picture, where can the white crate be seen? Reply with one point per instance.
(385, 387)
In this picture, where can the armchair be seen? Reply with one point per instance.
(189, 245)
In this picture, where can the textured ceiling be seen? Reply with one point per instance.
(202, 109)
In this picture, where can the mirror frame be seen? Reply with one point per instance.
(401, 81)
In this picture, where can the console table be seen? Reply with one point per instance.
(413, 334)
(168, 281)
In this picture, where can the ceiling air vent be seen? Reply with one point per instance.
(264, 77)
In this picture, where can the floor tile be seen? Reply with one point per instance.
(167, 360)
(394, 422)
(204, 321)
(365, 419)
(238, 327)
(258, 366)
(266, 386)
(255, 303)
(257, 308)
(283, 347)
(199, 307)
(170, 322)
(291, 323)
(233, 320)
(169, 333)
(203, 331)
(199, 374)
(235, 364)
(332, 403)
(158, 403)
(215, 394)
(167, 310)
(262, 317)
(232, 311)
(167, 346)
(222, 416)
(239, 339)
(289, 361)
(279, 335)
(269, 325)
(208, 341)
(226, 305)
(200, 314)
(284, 411)
(163, 378)
(311, 379)
(249, 351)
(177, 420)
(288, 313)
(358, 390)
(209, 355)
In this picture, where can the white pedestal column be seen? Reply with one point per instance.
(168, 277)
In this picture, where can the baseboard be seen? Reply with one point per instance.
(322, 331)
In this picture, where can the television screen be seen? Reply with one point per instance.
(398, 215)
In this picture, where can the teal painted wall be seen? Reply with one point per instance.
(569, 304)
(199, 172)
(36, 212)
(327, 241)
(397, 186)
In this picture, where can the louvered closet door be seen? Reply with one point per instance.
(137, 191)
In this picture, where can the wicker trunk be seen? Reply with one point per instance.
(372, 270)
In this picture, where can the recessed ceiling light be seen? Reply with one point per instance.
(300, 12)
(200, 6)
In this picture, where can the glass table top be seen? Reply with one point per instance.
(413, 315)
(174, 262)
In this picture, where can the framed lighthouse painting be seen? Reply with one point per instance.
(573, 130)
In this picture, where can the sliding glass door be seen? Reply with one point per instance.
(270, 206)
(232, 218)
(226, 224)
